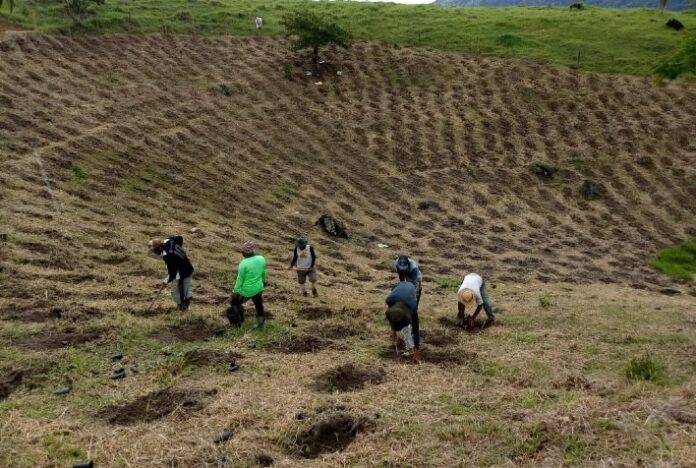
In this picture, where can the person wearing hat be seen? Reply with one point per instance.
(179, 268)
(402, 314)
(408, 270)
(304, 258)
(250, 282)
(474, 287)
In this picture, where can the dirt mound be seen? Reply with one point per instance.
(53, 339)
(349, 377)
(315, 313)
(332, 433)
(154, 406)
(9, 381)
(336, 330)
(574, 382)
(197, 330)
(443, 357)
(209, 357)
(292, 344)
(439, 338)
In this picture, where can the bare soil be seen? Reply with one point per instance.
(53, 339)
(291, 344)
(439, 338)
(336, 330)
(209, 357)
(189, 331)
(154, 406)
(9, 381)
(332, 433)
(348, 377)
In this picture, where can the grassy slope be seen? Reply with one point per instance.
(607, 41)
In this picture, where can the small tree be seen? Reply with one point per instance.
(313, 31)
(10, 4)
(77, 10)
(663, 4)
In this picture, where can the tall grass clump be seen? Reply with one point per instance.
(648, 367)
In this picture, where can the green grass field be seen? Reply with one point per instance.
(601, 40)
(678, 261)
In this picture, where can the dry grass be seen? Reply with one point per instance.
(136, 141)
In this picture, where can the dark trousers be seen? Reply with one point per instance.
(257, 300)
(415, 326)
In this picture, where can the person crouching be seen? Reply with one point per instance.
(402, 314)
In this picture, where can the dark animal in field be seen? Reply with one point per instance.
(675, 24)
(577, 6)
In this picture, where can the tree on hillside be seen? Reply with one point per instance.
(77, 10)
(313, 31)
(663, 4)
(10, 4)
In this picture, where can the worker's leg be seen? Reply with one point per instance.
(487, 306)
(176, 291)
(187, 295)
(313, 279)
(416, 329)
(302, 279)
(260, 313)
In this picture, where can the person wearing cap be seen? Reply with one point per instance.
(402, 314)
(304, 258)
(408, 270)
(250, 282)
(474, 287)
(179, 268)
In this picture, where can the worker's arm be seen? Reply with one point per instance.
(313, 255)
(170, 261)
(239, 283)
(476, 312)
(294, 258)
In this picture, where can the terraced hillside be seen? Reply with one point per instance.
(108, 141)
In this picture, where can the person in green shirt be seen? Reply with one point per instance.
(251, 279)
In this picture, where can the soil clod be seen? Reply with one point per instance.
(9, 382)
(333, 433)
(153, 406)
(348, 377)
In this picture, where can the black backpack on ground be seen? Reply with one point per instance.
(235, 314)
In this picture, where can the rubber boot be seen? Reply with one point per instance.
(259, 322)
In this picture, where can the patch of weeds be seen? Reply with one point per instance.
(444, 282)
(605, 425)
(546, 301)
(574, 448)
(509, 40)
(648, 367)
(58, 449)
(645, 161)
(678, 261)
(473, 172)
(579, 163)
(539, 436)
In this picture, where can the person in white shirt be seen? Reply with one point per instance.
(474, 287)
(259, 22)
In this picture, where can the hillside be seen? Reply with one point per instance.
(628, 41)
(107, 141)
(676, 5)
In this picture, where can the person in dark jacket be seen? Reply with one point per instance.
(179, 268)
(402, 314)
(408, 270)
(304, 258)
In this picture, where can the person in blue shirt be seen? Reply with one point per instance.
(402, 311)
(408, 270)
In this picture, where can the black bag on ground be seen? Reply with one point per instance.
(235, 314)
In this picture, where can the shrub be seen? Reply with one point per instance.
(10, 4)
(648, 367)
(681, 63)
